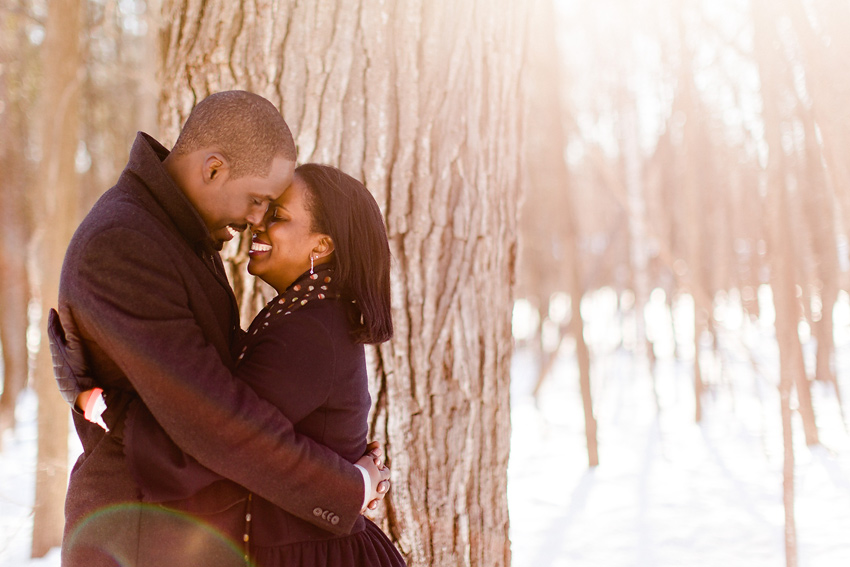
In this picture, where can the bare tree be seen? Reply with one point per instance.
(691, 171)
(421, 100)
(15, 55)
(771, 74)
(550, 259)
(57, 184)
(819, 211)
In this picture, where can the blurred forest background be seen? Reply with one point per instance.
(679, 153)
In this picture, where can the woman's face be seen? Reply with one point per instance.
(284, 241)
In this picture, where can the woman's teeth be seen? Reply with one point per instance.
(260, 247)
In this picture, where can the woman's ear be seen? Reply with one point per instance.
(324, 248)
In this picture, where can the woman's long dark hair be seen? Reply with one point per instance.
(344, 209)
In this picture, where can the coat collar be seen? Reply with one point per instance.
(145, 163)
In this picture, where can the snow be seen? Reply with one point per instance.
(667, 492)
(17, 488)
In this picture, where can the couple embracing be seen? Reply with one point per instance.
(204, 444)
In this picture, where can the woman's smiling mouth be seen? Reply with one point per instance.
(260, 247)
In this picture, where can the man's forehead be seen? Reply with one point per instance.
(278, 179)
(283, 163)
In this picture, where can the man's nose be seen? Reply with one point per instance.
(255, 218)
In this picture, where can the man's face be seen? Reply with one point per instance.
(243, 201)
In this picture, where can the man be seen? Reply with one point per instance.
(145, 295)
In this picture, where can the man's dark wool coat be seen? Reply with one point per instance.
(147, 293)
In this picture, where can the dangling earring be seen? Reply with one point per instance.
(311, 264)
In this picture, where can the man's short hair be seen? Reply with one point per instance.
(245, 127)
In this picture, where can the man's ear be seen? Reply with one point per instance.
(324, 248)
(214, 167)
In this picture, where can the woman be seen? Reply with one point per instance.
(323, 247)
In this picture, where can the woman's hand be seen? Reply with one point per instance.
(83, 399)
(379, 474)
(93, 405)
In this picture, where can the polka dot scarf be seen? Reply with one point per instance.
(318, 286)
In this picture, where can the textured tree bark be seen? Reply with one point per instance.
(57, 184)
(14, 217)
(421, 101)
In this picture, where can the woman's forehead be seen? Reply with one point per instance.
(293, 198)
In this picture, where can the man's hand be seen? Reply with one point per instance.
(379, 473)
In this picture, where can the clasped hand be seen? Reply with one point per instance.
(379, 473)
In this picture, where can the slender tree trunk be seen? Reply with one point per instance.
(14, 299)
(821, 56)
(583, 356)
(551, 203)
(691, 169)
(14, 216)
(420, 100)
(791, 361)
(638, 242)
(781, 264)
(775, 77)
(819, 212)
(57, 182)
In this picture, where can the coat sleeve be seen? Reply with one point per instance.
(129, 298)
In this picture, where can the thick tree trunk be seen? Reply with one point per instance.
(57, 183)
(420, 100)
(14, 285)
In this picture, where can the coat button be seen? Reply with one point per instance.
(317, 512)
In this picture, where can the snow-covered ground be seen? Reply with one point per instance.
(667, 492)
(17, 488)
